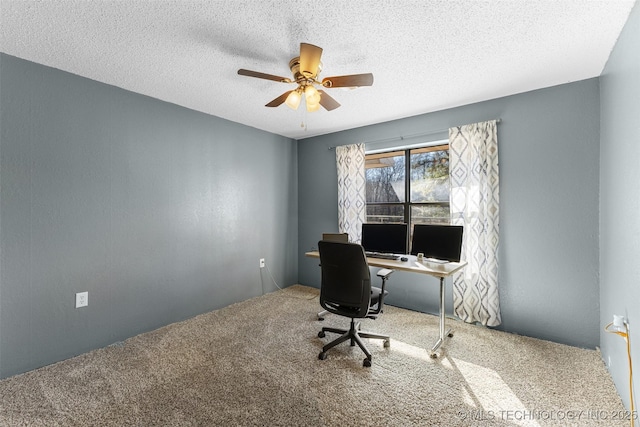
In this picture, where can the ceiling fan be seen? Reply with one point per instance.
(305, 69)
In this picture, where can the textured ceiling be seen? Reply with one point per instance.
(425, 55)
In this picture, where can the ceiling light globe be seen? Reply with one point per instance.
(312, 106)
(312, 95)
(293, 100)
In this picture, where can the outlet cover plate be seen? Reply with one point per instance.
(82, 299)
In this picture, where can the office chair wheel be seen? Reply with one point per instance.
(322, 355)
(321, 334)
(434, 355)
(387, 343)
(320, 319)
(450, 335)
(366, 363)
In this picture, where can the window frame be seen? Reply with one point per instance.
(407, 151)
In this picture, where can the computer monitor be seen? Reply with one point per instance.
(437, 241)
(388, 238)
(336, 237)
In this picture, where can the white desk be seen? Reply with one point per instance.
(430, 268)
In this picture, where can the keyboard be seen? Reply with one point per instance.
(381, 255)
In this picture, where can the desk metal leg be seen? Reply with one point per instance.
(443, 334)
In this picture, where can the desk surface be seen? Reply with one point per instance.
(424, 267)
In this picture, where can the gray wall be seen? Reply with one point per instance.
(159, 212)
(620, 200)
(548, 149)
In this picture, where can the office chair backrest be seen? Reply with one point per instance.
(346, 281)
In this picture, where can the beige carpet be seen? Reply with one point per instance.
(255, 364)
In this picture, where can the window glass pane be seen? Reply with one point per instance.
(429, 175)
(430, 214)
(385, 177)
(385, 213)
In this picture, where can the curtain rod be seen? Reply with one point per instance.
(415, 135)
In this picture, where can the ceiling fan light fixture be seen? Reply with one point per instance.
(312, 98)
(311, 94)
(293, 100)
(311, 107)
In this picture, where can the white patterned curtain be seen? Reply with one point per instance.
(351, 190)
(473, 163)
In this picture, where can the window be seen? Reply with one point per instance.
(422, 173)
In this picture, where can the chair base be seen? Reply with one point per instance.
(355, 336)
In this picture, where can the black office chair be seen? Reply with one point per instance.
(346, 290)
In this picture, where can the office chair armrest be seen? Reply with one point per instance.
(384, 273)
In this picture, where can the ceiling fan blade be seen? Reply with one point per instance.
(328, 102)
(279, 100)
(250, 73)
(352, 80)
(309, 59)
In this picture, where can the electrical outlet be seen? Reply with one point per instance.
(82, 299)
(261, 262)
